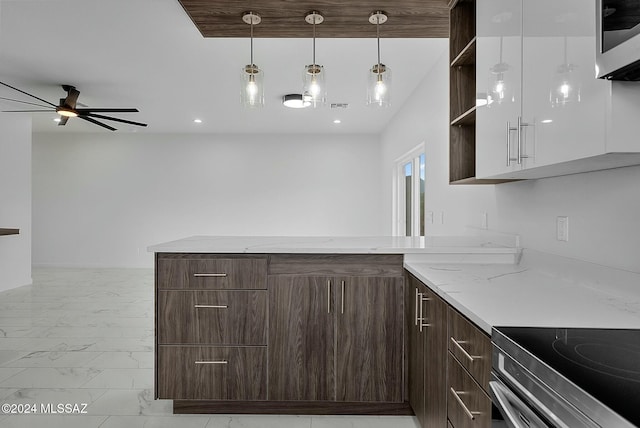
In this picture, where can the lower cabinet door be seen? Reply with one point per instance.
(469, 406)
(212, 373)
(369, 337)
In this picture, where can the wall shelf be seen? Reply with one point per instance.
(4, 231)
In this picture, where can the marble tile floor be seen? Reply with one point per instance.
(85, 336)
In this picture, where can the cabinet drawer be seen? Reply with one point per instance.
(211, 272)
(212, 373)
(212, 317)
(469, 406)
(471, 347)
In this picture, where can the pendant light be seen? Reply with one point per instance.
(379, 76)
(566, 88)
(252, 88)
(498, 88)
(314, 89)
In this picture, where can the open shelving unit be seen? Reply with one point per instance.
(462, 93)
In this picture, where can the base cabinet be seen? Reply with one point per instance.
(449, 363)
(283, 333)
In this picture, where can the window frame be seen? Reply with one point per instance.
(399, 201)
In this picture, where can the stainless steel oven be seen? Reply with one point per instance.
(566, 378)
(618, 39)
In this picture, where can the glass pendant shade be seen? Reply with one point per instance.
(378, 85)
(314, 89)
(251, 77)
(252, 87)
(566, 88)
(498, 88)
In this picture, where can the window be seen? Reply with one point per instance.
(409, 201)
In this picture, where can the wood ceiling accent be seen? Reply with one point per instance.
(342, 19)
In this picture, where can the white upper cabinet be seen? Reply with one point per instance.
(554, 117)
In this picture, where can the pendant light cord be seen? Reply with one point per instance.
(252, 41)
(378, 36)
(314, 40)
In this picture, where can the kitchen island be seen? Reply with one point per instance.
(311, 325)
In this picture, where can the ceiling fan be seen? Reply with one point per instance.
(67, 108)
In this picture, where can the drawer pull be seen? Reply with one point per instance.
(210, 275)
(212, 362)
(456, 394)
(342, 303)
(211, 306)
(457, 343)
(329, 296)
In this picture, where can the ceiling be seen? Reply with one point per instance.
(284, 18)
(148, 54)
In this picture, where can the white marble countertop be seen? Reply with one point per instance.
(541, 291)
(459, 245)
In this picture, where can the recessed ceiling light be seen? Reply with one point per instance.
(197, 120)
(337, 121)
(295, 101)
(546, 121)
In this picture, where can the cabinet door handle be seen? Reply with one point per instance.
(423, 299)
(211, 306)
(209, 275)
(521, 124)
(472, 415)
(329, 296)
(509, 130)
(417, 303)
(342, 302)
(212, 362)
(458, 345)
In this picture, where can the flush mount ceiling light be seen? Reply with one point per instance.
(313, 77)
(252, 88)
(295, 101)
(379, 76)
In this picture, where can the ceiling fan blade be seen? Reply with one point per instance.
(107, 110)
(72, 97)
(88, 119)
(23, 102)
(26, 111)
(63, 120)
(99, 116)
(26, 93)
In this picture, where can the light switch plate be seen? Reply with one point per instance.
(562, 228)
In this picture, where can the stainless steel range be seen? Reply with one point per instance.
(566, 377)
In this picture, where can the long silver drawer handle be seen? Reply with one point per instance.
(342, 303)
(471, 358)
(456, 394)
(212, 362)
(329, 296)
(211, 306)
(209, 275)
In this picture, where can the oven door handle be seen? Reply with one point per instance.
(516, 413)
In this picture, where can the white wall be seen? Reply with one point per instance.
(101, 199)
(15, 200)
(424, 118)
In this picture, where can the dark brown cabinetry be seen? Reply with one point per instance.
(280, 333)
(449, 363)
(427, 354)
(337, 338)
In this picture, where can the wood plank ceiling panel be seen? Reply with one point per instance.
(342, 19)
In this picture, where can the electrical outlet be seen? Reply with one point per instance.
(485, 220)
(429, 217)
(562, 228)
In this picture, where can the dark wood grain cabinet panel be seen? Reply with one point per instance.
(194, 271)
(236, 317)
(369, 339)
(469, 405)
(212, 373)
(427, 354)
(471, 347)
(301, 338)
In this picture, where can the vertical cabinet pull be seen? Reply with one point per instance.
(521, 124)
(423, 299)
(329, 296)
(417, 303)
(509, 130)
(342, 302)
(472, 415)
(212, 362)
